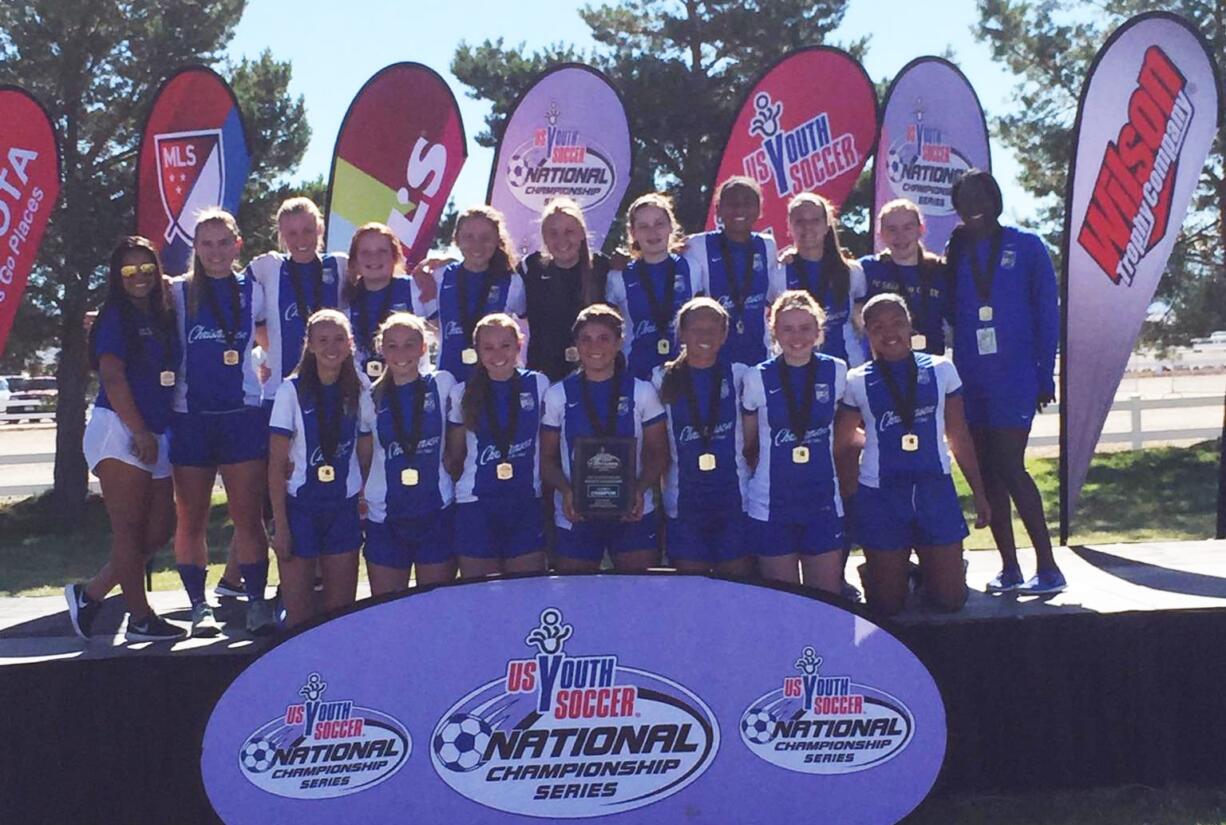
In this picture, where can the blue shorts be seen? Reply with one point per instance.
(821, 531)
(902, 516)
(323, 528)
(214, 439)
(998, 410)
(497, 529)
(712, 537)
(588, 540)
(402, 542)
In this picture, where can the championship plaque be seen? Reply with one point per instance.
(603, 476)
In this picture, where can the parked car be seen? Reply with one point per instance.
(5, 392)
(31, 398)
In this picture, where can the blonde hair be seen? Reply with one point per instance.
(297, 206)
(397, 320)
(210, 214)
(799, 299)
(477, 385)
(504, 259)
(670, 385)
(307, 370)
(676, 239)
(571, 209)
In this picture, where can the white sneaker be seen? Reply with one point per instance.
(204, 624)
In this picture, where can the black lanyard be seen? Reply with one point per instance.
(504, 436)
(230, 331)
(593, 416)
(329, 424)
(738, 288)
(903, 404)
(407, 441)
(305, 310)
(366, 330)
(705, 428)
(983, 280)
(468, 319)
(800, 410)
(661, 312)
(919, 302)
(813, 280)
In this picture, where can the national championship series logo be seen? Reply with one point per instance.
(318, 749)
(822, 723)
(560, 160)
(924, 166)
(799, 159)
(564, 735)
(1130, 206)
(191, 177)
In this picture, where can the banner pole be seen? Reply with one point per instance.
(1221, 483)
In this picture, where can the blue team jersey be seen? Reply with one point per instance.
(506, 294)
(292, 292)
(923, 288)
(206, 383)
(781, 489)
(638, 406)
(689, 490)
(129, 335)
(839, 336)
(387, 494)
(884, 461)
(1025, 318)
(479, 480)
(300, 415)
(628, 291)
(748, 338)
(369, 309)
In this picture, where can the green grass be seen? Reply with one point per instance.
(1164, 492)
(1131, 805)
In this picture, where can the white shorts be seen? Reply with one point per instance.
(106, 436)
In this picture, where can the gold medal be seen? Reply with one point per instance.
(505, 471)
(469, 356)
(230, 357)
(409, 477)
(374, 368)
(706, 462)
(800, 455)
(167, 378)
(985, 313)
(910, 442)
(572, 355)
(663, 347)
(919, 342)
(326, 473)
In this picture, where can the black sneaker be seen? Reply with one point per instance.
(82, 610)
(229, 590)
(153, 629)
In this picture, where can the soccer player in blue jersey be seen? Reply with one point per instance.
(653, 286)
(908, 269)
(909, 404)
(135, 349)
(482, 283)
(409, 493)
(377, 286)
(603, 399)
(1006, 327)
(319, 453)
(218, 423)
(493, 451)
(739, 268)
(701, 390)
(817, 264)
(792, 497)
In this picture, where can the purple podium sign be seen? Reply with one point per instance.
(649, 698)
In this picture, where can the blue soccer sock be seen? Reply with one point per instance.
(193, 582)
(255, 578)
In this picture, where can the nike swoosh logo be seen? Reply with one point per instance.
(776, 389)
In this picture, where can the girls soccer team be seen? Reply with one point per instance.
(763, 393)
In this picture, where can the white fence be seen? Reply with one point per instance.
(1136, 435)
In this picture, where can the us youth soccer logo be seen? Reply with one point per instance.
(799, 159)
(191, 177)
(567, 736)
(322, 748)
(560, 161)
(923, 166)
(824, 724)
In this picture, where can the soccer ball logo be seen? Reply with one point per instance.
(758, 726)
(258, 754)
(460, 742)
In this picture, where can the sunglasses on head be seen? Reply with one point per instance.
(132, 270)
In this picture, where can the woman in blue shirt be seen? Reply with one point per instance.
(376, 288)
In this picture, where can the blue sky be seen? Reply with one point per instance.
(336, 46)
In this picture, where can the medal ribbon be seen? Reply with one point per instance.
(904, 404)
(705, 427)
(230, 331)
(305, 310)
(407, 440)
(983, 280)
(468, 318)
(329, 424)
(503, 436)
(738, 287)
(610, 423)
(661, 313)
(800, 411)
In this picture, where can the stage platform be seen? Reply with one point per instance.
(1118, 680)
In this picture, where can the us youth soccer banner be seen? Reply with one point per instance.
(567, 137)
(626, 697)
(29, 186)
(932, 131)
(1145, 124)
(193, 155)
(807, 125)
(399, 151)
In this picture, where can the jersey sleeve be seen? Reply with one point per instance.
(647, 404)
(283, 418)
(258, 302)
(753, 394)
(1045, 312)
(366, 411)
(108, 337)
(517, 299)
(455, 412)
(615, 294)
(858, 290)
(555, 407)
(840, 377)
(695, 256)
(421, 307)
(853, 396)
(948, 380)
(776, 272)
(657, 378)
